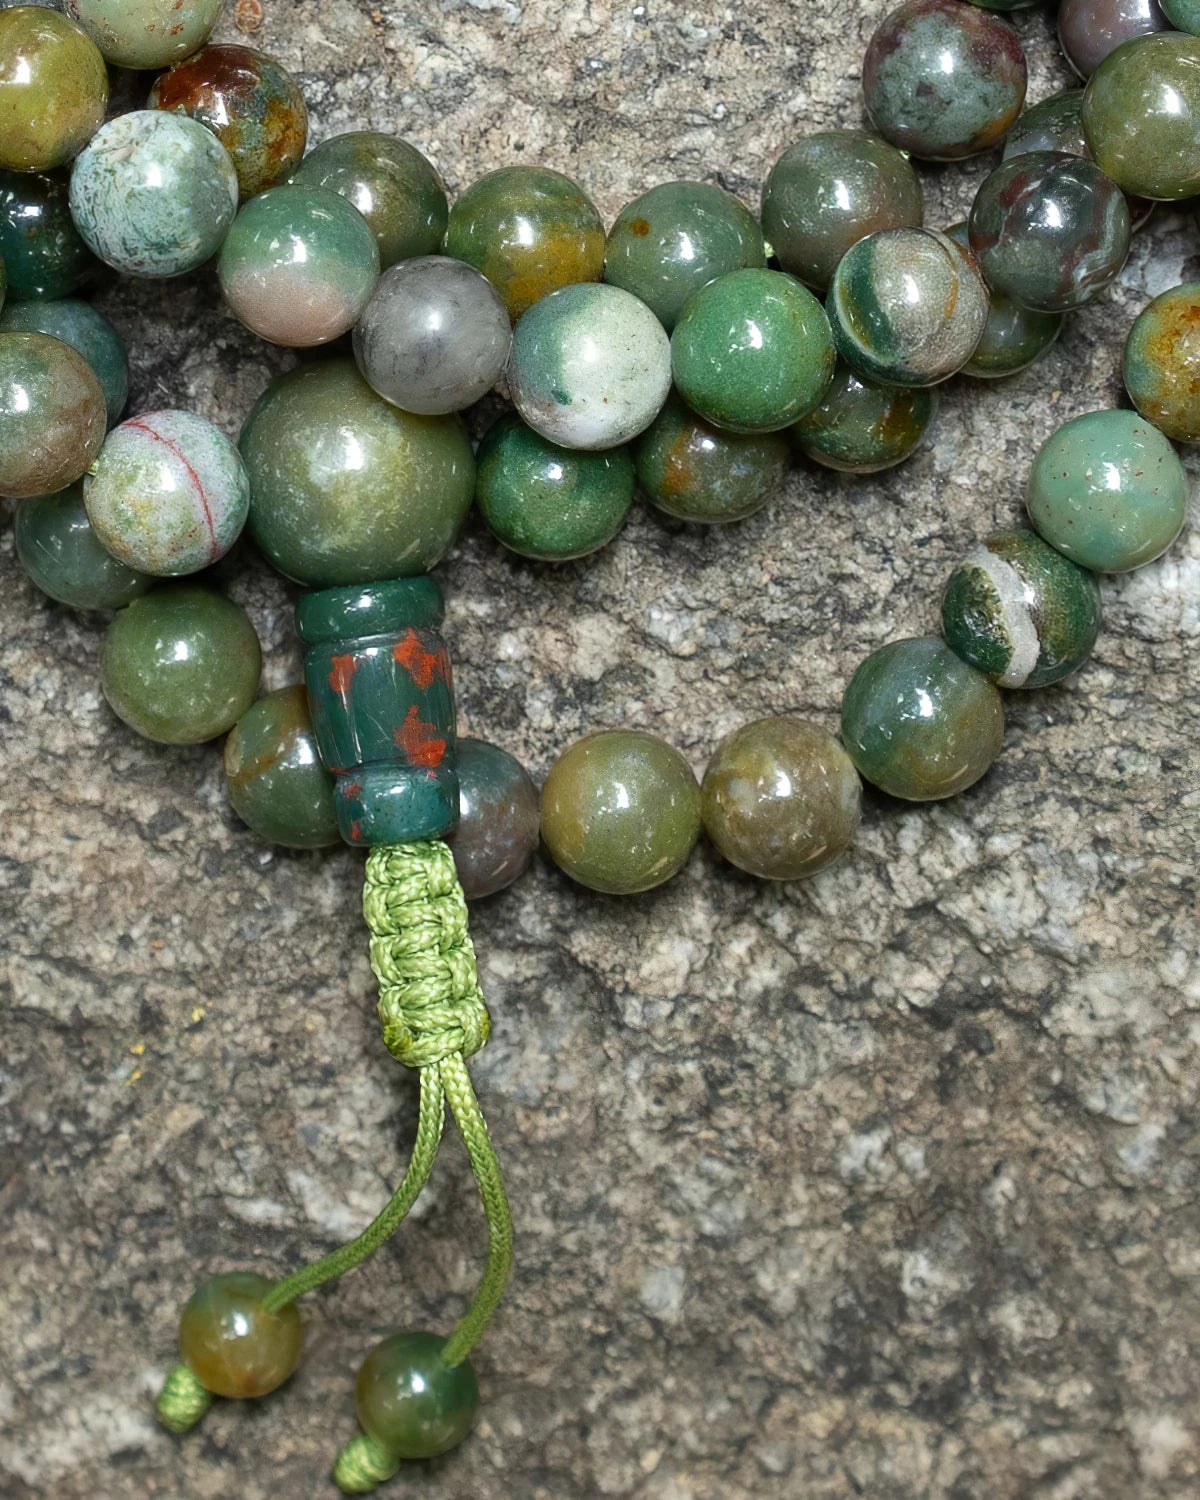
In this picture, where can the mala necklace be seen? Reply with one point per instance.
(690, 369)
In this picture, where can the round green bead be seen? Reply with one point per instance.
(52, 415)
(827, 192)
(347, 489)
(1108, 490)
(861, 426)
(1184, 15)
(180, 665)
(231, 1345)
(392, 185)
(918, 722)
(64, 556)
(88, 332)
(697, 472)
(1013, 336)
(752, 351)
(276, 782)
(548, 502)
(672, 241)
(780, 798)
(1141, 116)
(1020, 612)
(1162, 362)
(620, 811)
(53, 89)
(43, 253)
(410, 1402)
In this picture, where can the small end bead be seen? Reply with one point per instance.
(183, 1400)
(362, 1464)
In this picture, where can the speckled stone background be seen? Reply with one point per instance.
(881, 1185)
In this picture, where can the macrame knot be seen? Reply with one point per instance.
(430, 1003)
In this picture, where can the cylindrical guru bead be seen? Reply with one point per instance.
(382, 706)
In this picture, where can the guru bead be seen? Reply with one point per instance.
(274, 776)
(861, 426)
(43, 254)
(52, 415)
(53, 89)
(1162, 362)
(88, 332)
(64, 558)
(1013, 337)
(498, 818)
(382, 705)
(1141, 116)
(410, 1401)
(231, 1345)
(697, 472)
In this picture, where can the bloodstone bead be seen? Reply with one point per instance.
(590, 366)
(1049, 230)
(861, 426)
(299, 265)
(411, 1402)
(1088, 30)
(1013, 337)
(64, 556)
(780, 798)
(672, 241)
(697, 472)
(44, 256)
(620, 811)
(274, 776)
(53, 89)
(752, 351)
(498, 818)
(1108, 490)
(154, 194)
(231, 1345)
(827, 192)
(434, 337)
(347, 489)
(180, 665)
(1141, 116)
(1162, 362)
(251, 104)
(168, 494)
(530, 231)
(146, 33)
(52, 415)
(547, 502)
(907, 306)
(1184, 15)
(918, 722)
(88, 333)
(943, 80)
(391, 184)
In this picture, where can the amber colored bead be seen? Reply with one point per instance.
(230, 1344)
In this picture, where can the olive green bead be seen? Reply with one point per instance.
(88, 332)
(65, 558)
(231, 1345)
(918, 722)
(180, 665)
(273, 772)
(52, 415)
(862, 426)
(697, 472)
(53, 89)
(411, 1402)
(1141, 116)
(620, 811)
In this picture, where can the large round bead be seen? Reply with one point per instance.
(1013, 337)
(1141, 116)
(697, 472)
(1184, 15)
(411, 1402)
(498, 818)
(146, 33)
(52, 415)
(862, 426)
(273, 772)
(43, 254)
(64, 558)
(231, 1345)
(1162, 362)
(88, 332)
(1088, 30)
(53, 89)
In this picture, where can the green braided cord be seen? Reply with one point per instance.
(183, 1400)
(362, 1464)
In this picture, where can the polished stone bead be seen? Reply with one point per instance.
(1020, 612)
(146, 33)
(366, 609)
(231, 1345)
(276, 782)
(251, 104)
(943, 80)
(1162, 362)
(154, 194)
(830, 190)
(347, 489)
(1108, 490)
(43, 254)
(64, 556)
(498, 818)
(180, 665)
(918, 722)
(752, 351)
(672, 241)
(907, 306)
(299, 266)
(88, 332)
(1184, 15)
(590, 366)
(434, 337)
(52, 415)
(780, 798)
(410, 1402)
(530, 231)
(1141, 116)
(620, 811)
(547, 502)
(1049, 230)
(53, 89)
(697, 472)
(169, 493)
(861, 426)
(1013, 337)
(392, 185)
(1088, 30)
